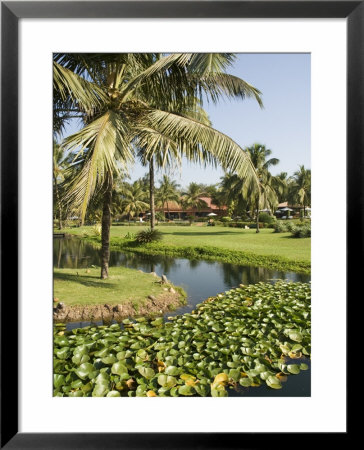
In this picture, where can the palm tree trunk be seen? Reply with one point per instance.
(59, 204)
(105, 229)
(151, 194)
(257, 230)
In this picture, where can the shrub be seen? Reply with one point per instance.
(301, 231)
(160, 216)
(226, 219)
(149, 235)
(280, 227)
(96, 229)
(266, 218)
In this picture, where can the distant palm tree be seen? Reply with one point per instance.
(234, 192)
(167, 192)
(133, 199)
(300, 191)
(281, 184)
(264, 193)
(191, 198)
(248, 193)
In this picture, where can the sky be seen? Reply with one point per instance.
(283, 125)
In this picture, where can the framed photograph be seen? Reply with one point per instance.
(76, 75)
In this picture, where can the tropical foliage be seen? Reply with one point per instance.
(300, 189)
(191, 198)
(167, 192)
(142, 104)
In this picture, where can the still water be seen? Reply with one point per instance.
(200, 279)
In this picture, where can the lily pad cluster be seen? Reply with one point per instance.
(240, 339)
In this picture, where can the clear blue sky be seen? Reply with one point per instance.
(282, 126)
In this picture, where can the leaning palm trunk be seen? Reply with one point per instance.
(105, 229)
(151, 192)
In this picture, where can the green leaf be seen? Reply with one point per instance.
(172, 370)
(295, 336)
(80, 359)
(86, 370)
(113, 394)
(100, 390)
(186, 390)
(58, 380)
(119, 368)
(146, 372)
(63, 353)
(167, 381)
(109, 359)
(218, 391)
(293, 368)
(245, 381)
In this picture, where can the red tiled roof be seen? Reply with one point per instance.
(175, 207)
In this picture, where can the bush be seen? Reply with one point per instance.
(281, 227)
(297, 230)
(160, 216)
(96, 229)
(266, 218)
(149, 235)
(301, 231)
(226, 219)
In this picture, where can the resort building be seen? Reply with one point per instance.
(174, 210)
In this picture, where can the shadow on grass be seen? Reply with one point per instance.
(294, 237)
(85, 281)
(204, 233)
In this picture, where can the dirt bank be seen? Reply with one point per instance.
(166, 301)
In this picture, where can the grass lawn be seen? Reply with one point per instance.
(265, 243)
(84, 286)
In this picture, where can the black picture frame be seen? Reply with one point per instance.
(11, 12)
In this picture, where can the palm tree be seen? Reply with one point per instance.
(264, 193)
(254, 195)
(167, 192)
(300, 191)
(281, 185)
(137, 102)
(133, 199)
(191, 198)
(234, 192)
(60, 164)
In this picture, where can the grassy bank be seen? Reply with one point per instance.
(124, 286)
(278, 251)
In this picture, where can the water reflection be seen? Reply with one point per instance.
(200, 279)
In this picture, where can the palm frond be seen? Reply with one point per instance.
(102, 146)
(83, 94)
(191, 135)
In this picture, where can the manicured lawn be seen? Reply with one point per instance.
(265, 243)
(84, 286)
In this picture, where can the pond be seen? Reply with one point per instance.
(199, 278)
